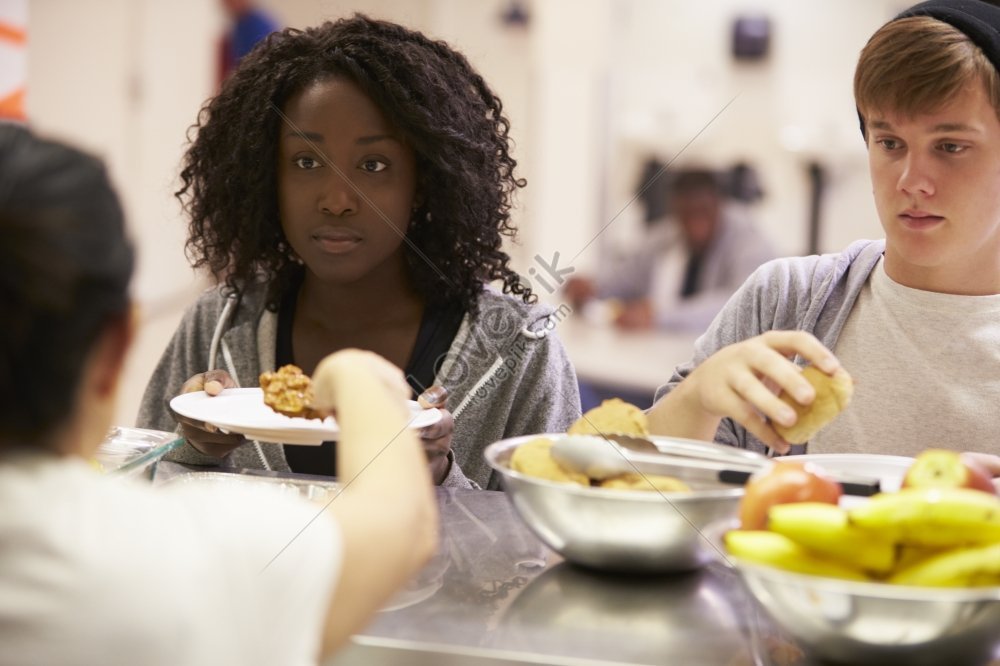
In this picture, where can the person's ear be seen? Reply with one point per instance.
(112, 350)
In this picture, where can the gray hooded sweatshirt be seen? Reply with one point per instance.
(814, 294)
(506, 372)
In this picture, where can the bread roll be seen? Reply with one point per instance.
(833, 393)
(651, 482)
(534, 458)
(612, 416)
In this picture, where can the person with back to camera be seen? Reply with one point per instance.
(352, 183)
(688, 266)
(915, 317)
(100, 570)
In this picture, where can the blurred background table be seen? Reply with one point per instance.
(627, 364)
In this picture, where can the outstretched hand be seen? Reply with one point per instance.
(435, 439)
(332, 377)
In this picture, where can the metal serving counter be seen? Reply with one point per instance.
(495, 596)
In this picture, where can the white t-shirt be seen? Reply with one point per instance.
(926, 368)
(95, 570)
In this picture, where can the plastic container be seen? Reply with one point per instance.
(134, 452)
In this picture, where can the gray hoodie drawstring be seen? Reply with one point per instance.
(227, 357)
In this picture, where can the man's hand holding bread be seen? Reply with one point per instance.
(756, 383)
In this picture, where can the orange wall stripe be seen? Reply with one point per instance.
(12, 106)
(13, 34)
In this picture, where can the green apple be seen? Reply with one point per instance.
(941, 468)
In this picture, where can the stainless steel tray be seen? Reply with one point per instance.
(317, 488)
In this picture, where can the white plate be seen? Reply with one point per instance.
(242, 411)
(888, 469)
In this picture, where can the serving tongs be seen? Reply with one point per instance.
(604, 456)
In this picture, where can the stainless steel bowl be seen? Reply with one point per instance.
(876, 623)
(616, 530)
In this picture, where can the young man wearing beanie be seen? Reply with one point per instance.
(914, 318)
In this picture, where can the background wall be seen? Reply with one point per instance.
(592, 88)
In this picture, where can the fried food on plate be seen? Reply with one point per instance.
(612, 416)
(833, 393)
(534, 458)
(288, 391)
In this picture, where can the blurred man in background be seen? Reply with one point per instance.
(687, 267)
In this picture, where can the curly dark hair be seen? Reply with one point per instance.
(430, 92)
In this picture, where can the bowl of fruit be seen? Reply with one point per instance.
(908, 576)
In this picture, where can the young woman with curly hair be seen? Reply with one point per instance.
(351, 186)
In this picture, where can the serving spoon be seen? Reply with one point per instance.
(604, 457)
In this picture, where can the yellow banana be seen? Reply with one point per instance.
(824, 529)
(965, 567)
(933, 517)
(779, 551)
(908, 556)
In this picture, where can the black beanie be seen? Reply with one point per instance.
(979, 20)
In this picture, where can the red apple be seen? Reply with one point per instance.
(940, 468)
(787, 481)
